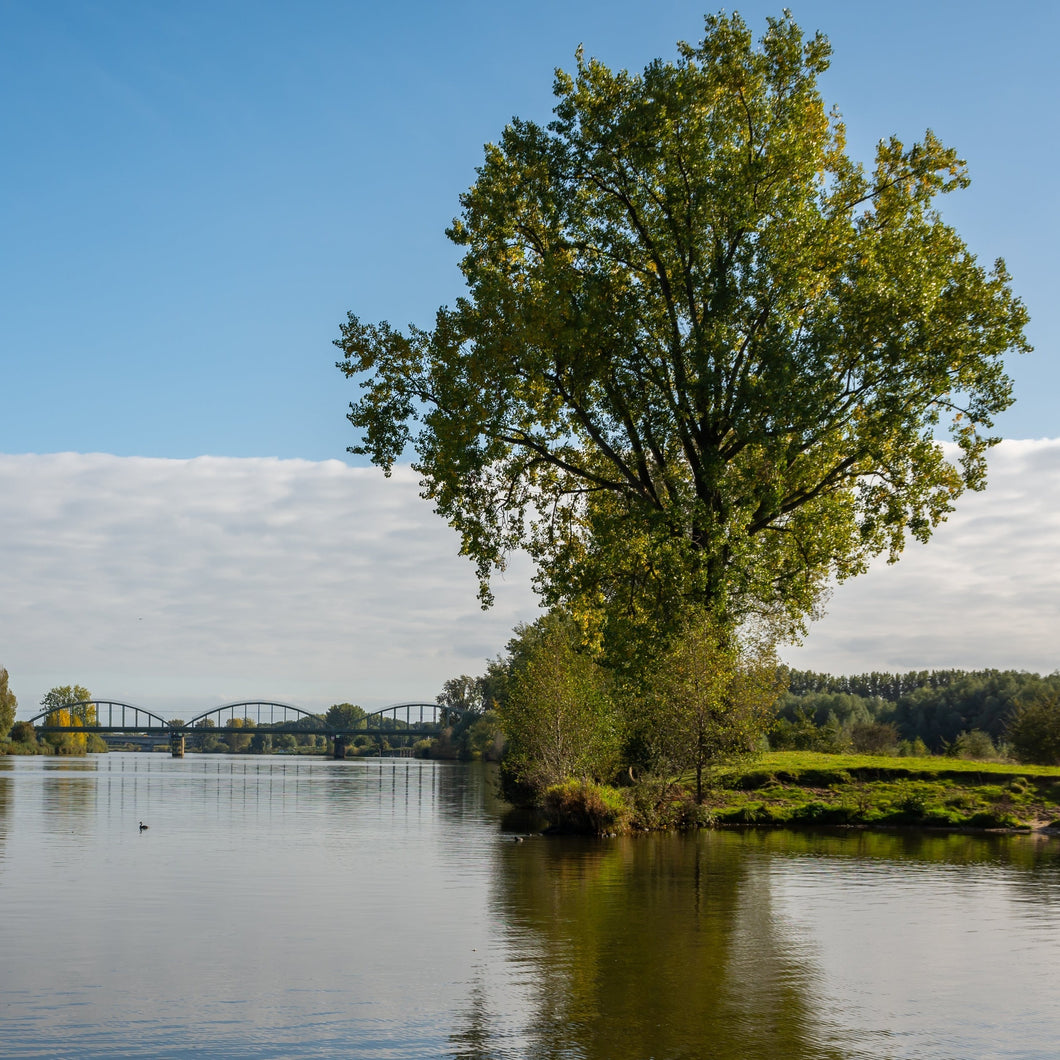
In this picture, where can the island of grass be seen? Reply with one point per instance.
(809, 788)
(796, 789)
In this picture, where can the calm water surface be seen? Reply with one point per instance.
(295, 907)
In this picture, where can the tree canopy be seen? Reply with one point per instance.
(75, 698)
(8, 705)
(709, 700)
(704, 357)
(345, 716)
(70, 705)
(559, 717)
(1034, 728)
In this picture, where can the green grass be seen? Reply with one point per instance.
(806, 788)
(936, 765)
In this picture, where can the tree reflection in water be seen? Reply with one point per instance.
(6, 788)
(656, 946)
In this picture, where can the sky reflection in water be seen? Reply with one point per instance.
(291, 907)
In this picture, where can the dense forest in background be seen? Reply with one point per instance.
(941, 711)
(975, 714)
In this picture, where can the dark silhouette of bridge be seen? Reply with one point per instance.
(247, 718)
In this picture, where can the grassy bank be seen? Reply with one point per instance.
(803, 788)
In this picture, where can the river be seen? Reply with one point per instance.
(299, 907)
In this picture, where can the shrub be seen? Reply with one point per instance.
(874, 738)
(908, 805)
(585, 808)
(749, 813)
(691, 814)
(17, 748)
(658, 804)
(818, 812)
(913, 748)
(944, 818)
(995, 819)
(975, 745)
(24, 734)
(654, 803)
(801, 733)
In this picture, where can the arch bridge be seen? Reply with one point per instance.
(247, 719)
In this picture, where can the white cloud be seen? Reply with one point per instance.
(983, 593)
(183, 584)
(188, 583)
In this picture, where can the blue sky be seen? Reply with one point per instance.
(193, 194)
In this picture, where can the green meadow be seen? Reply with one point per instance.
(809, 788)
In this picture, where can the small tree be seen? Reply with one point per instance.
(75, 697)
(486, 738)
(802, 733)
(65, 743)
(69, 706)
(237, 741)
(345, 716)
(975, 745)
(559, 718)
(23, 739)
(874, 738)
(463, 699)
(201, 739)
(462, 693)
(261, 743)
(709, 700)
(1034, 729)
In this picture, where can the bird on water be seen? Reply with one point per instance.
(144, 827)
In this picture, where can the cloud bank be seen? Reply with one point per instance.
(983, 593)
(183, 584)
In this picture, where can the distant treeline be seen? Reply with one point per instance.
(932, 708)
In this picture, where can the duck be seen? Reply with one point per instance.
(144, 827)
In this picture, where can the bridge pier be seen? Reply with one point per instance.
(340, 745)
(176, 745)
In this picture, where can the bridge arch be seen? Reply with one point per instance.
(263, 713)
(413, 714)
(110, 714)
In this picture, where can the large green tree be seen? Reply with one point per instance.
(704, 357)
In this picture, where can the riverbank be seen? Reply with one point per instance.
(799, 789)
(803, 788)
